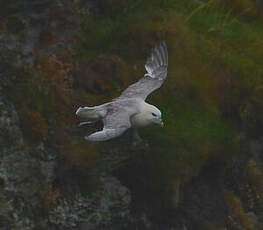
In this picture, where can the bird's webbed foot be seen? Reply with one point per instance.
(137, 141)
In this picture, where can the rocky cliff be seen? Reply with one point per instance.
(202, 171)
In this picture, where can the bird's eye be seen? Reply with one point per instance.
(154, 114)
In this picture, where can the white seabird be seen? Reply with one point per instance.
(130, 110)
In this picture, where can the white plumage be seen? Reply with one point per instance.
(130, 110)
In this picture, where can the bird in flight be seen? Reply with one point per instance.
(130, 110)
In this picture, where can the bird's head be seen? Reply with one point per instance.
(154, 115)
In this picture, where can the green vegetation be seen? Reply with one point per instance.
(215, 51)
(42, 96)
(214, 84)
(236, 211)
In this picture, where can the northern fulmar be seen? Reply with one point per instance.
(130, 110)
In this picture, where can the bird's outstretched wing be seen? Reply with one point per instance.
(156, 67)
(116, 122)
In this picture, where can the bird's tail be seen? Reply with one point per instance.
(92, 113)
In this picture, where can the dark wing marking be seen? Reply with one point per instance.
(156, 67)
(116, 122)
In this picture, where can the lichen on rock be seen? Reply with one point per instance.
(104, 209)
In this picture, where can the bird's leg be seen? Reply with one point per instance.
(136, 139)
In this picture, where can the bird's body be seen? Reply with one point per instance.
(130, 109)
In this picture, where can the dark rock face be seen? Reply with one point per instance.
(108, 208)
(260, 5)
(24, 173)
(19, 188)
(27, 170)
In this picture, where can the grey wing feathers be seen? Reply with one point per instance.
(106, 134)
(157, 63)
(116, 122)
(156, 67)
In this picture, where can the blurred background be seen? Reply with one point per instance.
(203, 170)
